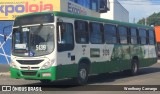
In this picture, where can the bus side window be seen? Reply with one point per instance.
(110, 33)
(123, 34)
(143, 36)
(65, 37)
(134, 37)
(96, 33)
(151, 37)
(81, 31)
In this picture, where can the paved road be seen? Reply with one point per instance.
(146, 76)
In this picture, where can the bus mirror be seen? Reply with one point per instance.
(5, 37)
(61, 29)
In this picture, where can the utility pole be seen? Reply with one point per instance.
(145, 21)
(134, 20)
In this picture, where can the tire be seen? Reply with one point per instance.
(82, 74)
(134, 67)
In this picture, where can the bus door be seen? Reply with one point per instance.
(65, 46)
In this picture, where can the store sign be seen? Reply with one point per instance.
(9, 9)
(26, 7)
(76, 9)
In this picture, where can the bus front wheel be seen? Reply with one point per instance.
(82, 74)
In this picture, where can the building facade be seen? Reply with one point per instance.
(117, 12)
(90, 4)
(10, 9)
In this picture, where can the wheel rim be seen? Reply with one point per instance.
(83, 73)
(135, 68)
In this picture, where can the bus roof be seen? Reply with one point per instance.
(69, 15)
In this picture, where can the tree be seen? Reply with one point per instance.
(153, 19)
(142, 21)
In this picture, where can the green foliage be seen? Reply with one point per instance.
(141, 21)
(153, 19)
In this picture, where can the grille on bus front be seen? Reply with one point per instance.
(32, 68)
(29, 62)
(29, 73)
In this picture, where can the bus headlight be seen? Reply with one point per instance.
(47, 64)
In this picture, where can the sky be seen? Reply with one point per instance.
(139, 9)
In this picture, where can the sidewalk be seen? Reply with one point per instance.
(4, 69)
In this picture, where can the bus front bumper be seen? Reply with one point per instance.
(47, 74)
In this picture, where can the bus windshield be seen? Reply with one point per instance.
(36, 40)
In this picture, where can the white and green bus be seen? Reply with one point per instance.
(49, 46)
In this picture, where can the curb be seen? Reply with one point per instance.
(4, 73)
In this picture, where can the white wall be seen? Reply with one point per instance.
(117, 12)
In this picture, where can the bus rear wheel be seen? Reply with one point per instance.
(82, 74)
(134, 67)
